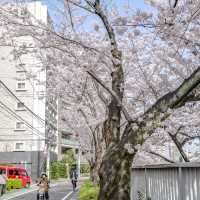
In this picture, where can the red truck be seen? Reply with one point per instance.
(13, 172)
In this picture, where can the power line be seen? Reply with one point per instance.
(6, 140)
(2, 128)
(7, 109)
(13, 95)
(38, 117)
(16, 116)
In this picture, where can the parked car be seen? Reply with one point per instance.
(3, 180)
(20, 173)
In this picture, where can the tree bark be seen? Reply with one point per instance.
(115, 174)
(96, 164)
(94, 172)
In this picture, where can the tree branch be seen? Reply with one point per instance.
(189, 138)
(161, 156)
(80, 6)
(106, 23)
(160, 111)
(70, 15)
(113, 94)
(175, 3)
(193, 96)
(179, 147)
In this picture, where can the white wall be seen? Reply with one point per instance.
(34, 96)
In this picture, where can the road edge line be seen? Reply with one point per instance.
(68, 195)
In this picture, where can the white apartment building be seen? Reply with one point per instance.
(28, 114)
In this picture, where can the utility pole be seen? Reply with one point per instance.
(48, 151)
(79, 162)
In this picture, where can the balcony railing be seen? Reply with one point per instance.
(70, 143)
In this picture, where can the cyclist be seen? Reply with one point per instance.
(43, 184)
(74, 177)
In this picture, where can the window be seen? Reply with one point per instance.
(23, 173)
(19, 146)
(20, 126)
(11, 172)
(21, 75)
(21, 85)
(20, 106)
(16, 173)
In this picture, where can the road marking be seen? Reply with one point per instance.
(68, 195)
(65, 198)
(18, 195)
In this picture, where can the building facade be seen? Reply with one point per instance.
(28, 114)
(67, 138)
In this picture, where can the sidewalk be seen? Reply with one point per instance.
(16, 192)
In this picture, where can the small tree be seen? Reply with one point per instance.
(69, 158)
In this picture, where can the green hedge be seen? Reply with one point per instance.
(58, 170)
(13, 184)
(88, 191)
(85, 169)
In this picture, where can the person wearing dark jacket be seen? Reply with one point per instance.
(74, 177)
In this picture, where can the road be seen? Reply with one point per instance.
(59, 192)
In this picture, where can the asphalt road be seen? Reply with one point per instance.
(59, 192)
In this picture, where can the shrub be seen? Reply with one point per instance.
(62, 170)
(13, 184)
(69, 158)
(85, 169)
(54, 171)
(88, 191)
(58, 170)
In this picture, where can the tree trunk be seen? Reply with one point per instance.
(94, 173)
(95, 167)
(95, 164)
(115, 175)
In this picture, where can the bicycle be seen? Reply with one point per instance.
(41, 194)
(74, 184)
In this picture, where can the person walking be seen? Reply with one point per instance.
(43, 185)
(74, 177)
(3, 180)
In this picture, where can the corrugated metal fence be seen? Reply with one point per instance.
(166, 182)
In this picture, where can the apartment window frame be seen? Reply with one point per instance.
(20, 108)
(19, 88)
(19, 128)
(21, 148)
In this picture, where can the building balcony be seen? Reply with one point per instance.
(69, 143)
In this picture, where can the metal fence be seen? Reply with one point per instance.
(166, 182)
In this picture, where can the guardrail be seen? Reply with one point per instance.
(166, 182)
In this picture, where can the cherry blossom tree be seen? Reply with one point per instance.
(131, 74)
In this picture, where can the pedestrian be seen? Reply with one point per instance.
(3, 180)
(74, 177)
(43, 184)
